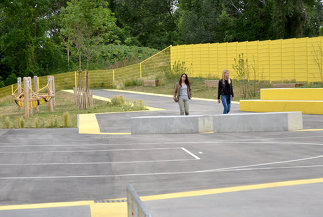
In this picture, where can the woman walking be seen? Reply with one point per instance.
(225, 91)
(183, 93)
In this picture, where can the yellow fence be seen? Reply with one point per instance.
(274, 60)
(277, 60)
(147, 69)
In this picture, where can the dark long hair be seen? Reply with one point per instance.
(186, 80)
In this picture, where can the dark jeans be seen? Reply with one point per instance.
(226, 101)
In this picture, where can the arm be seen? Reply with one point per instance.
(232, 90)
(175, 92)
(219, 90)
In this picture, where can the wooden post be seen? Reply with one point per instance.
(26, 97)
(53, 89)
(19, 89)
(30, 95)
(140, 72)
(36, 89)
(75, 80)
(50, 102)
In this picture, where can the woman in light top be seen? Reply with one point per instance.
(182, 94)
(225, 91)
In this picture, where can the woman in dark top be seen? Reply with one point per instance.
(225, 91)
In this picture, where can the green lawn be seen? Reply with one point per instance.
(242, 89)
(11, 117)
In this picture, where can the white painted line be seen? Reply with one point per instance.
(190, 153)
(264, 164)
(228, 169)
(215, 142)
(167, 143)
(80, 151)
(96, 163)
(41, 145)
(274, 168)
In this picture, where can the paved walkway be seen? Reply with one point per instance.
(60, 165)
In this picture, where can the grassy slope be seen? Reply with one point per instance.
(64, 103)
(199, 90)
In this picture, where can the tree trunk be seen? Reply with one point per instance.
(87, 67)
(80, 68)
(68, 56)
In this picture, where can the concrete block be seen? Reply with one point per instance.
(151, 83)
(171, 124)
(305, 106)
(291, 94)
(258, 122)
(211, 83)
(287, 85)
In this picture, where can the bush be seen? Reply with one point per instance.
(117, 101)
(51, 122)
(177, 70)
(134, 82)
(22, 122)
(67, 119)
(36, 123)
(8, 122)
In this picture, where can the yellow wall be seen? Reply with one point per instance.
(274, 60)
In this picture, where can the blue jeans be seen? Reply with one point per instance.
(226, 101)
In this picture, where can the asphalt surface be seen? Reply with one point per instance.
(58, 165)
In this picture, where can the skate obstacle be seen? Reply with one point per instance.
(229, 123)
(30, 98)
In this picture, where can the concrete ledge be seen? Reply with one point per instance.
(211, 83)
(291, 94)
(258, 122)
(151, 83)
(305, 106)
(287, 85)
(241, 122)
(171, 124)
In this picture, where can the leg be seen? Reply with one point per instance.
(229, 103)
(225, 105)
(186, 105)
(181, 106)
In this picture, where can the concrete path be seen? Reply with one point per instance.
(61, 165)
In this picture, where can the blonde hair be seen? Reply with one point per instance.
(224, 71)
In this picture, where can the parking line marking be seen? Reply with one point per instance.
(96, 163)
(310, 130)
(97, 150)
(190, 153)
(226, 169)
(231, 189)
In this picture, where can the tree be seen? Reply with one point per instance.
(25, 27)
(208, 21)
(149, 23)
(85, 23)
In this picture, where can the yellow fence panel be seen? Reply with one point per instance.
(273, 60)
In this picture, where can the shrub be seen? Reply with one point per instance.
(8, 122)
(67, 118)
(177, 70)
(117, 101)
(22, 122)
(36, 123)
